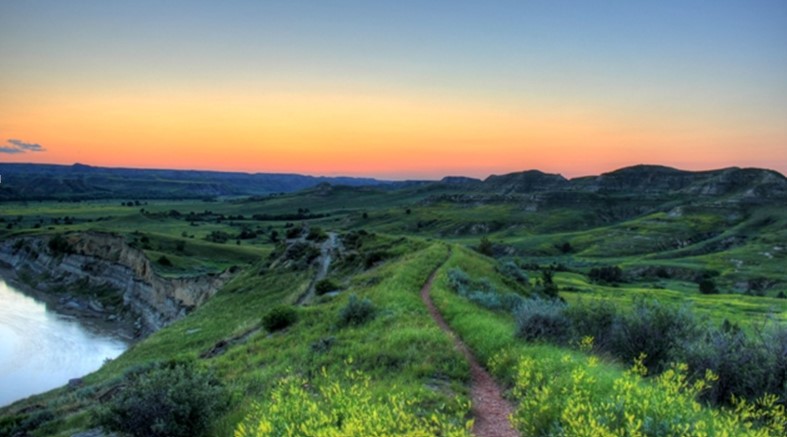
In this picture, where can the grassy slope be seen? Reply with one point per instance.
(401, 347)
(567, 379)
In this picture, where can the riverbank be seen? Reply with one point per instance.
(110, 321)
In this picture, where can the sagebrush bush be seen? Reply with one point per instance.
(655, 329)
(279, 318)
(741, 363)
(356, 312)
(177, 399)
(593, 318)
(325, 286)
(542, 319)
(482, 292)
(509, 269)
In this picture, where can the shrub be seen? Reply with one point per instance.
(548, 286)
(459, 280)
(485, 247)
(293, 233)
(170, 399)
(316, 234)
(742, 365)
(59, 245)
(357, 312)
(325, 286)
(542, 319)
(652, 328)
(373, 258)
(279, 318)
(511, 270)
(164, 261)
(707, 286)
(592, 319)
(218, 237)
(606, 274)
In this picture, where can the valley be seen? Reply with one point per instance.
(342, 268)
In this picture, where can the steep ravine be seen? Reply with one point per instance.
(107, 262)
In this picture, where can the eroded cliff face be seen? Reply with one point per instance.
(105, 260)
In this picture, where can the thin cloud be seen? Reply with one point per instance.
(32, 147)
(19, 146)
(11, 150)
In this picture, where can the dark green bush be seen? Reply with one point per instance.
(168, 400)
(59, 245)
(741, 363)
(357, 312)
(486, 247)
(279, 318)
(548, 286)
(293, 232)
(373, 258)
(606, 274)
(164, 261)
(325, 286)
(707, 286)
(594, 318)
(316, 234)
(655, 329)
(542, 319)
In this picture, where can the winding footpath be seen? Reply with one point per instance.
(490, 410)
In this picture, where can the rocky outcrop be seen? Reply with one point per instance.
(102, 260)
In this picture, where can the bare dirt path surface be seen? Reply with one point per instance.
(327, 248)
(490, 410)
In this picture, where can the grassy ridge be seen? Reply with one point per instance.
(400, 348)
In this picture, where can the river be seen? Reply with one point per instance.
(41, 350)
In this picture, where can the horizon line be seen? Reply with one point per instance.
(385, 179)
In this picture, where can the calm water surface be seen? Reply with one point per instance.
(40, 350)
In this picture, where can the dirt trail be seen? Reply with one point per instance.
(330, 244)
(490, 410)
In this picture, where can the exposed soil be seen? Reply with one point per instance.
(327, 248)
(490, 410)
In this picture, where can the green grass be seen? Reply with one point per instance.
(401, 347)
(556, 390)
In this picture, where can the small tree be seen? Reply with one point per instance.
(549, 287)
(485, 247)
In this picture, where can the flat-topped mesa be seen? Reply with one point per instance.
(104, 259)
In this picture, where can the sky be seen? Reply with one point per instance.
(396, 90)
